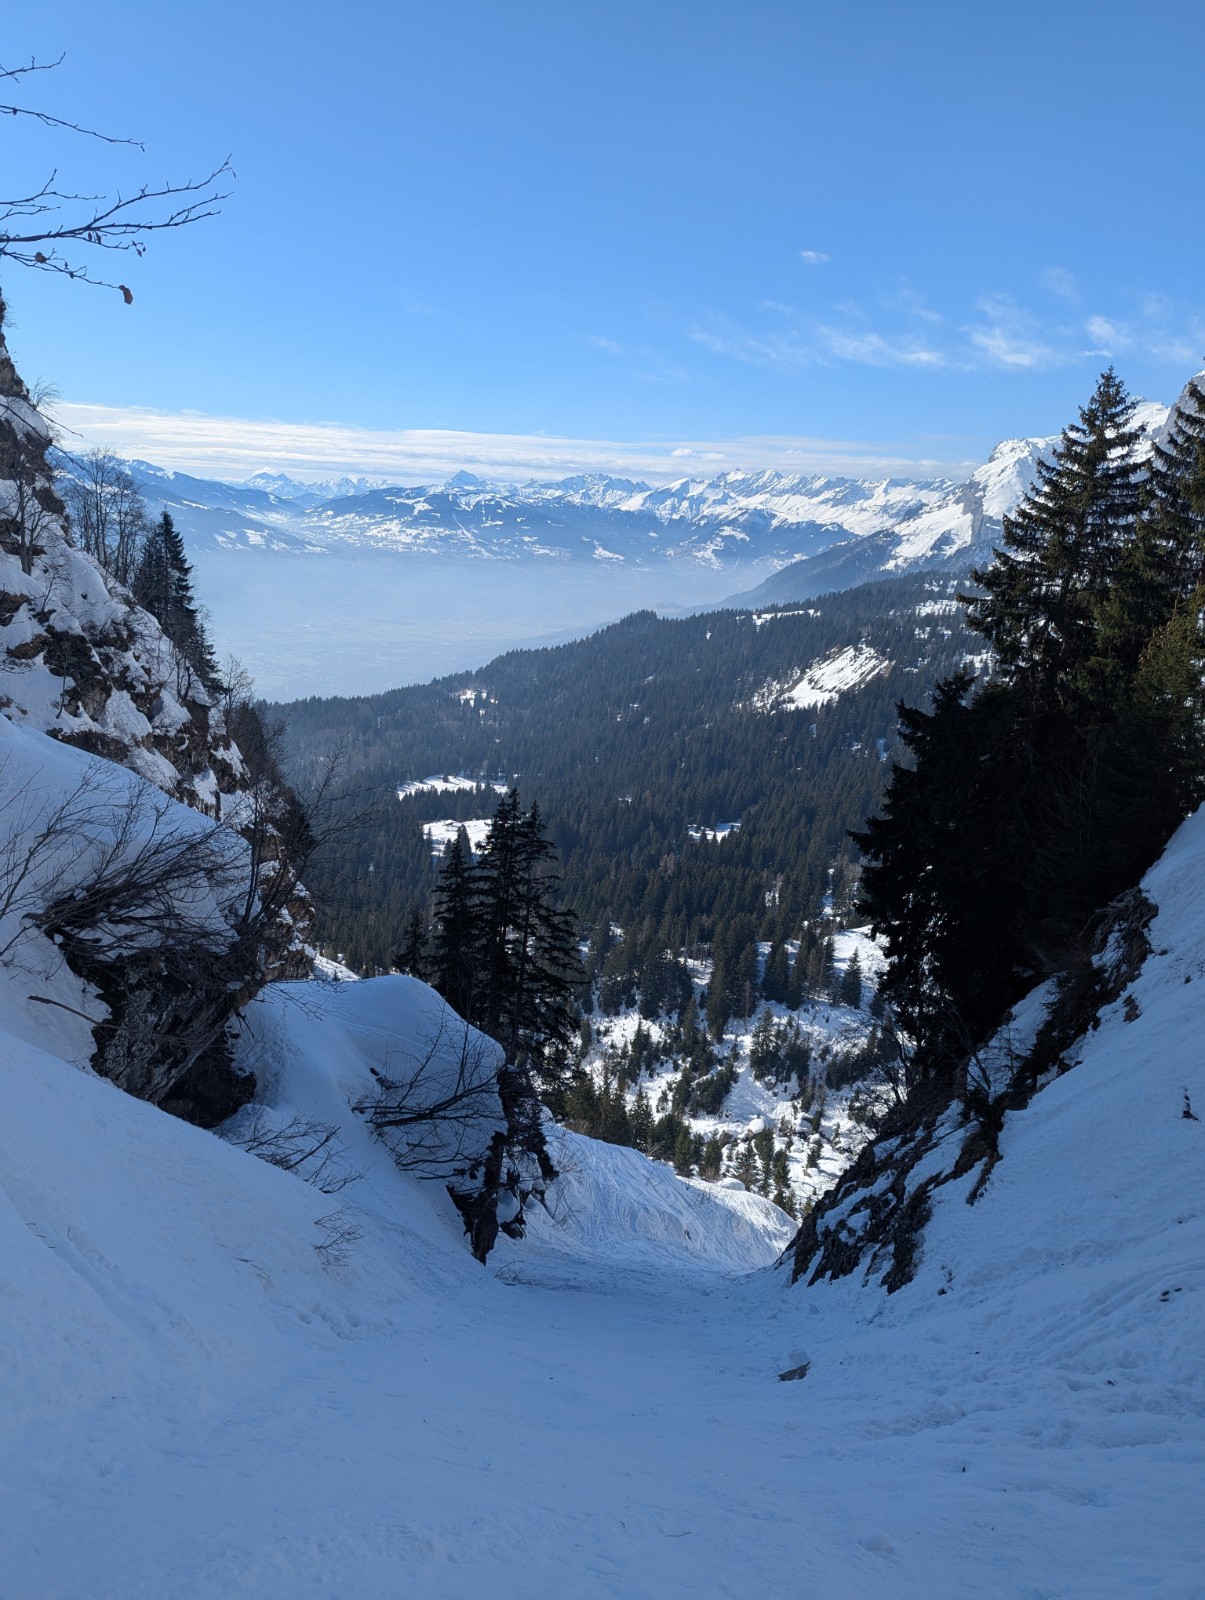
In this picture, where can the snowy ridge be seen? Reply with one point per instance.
(739, 520)
(442, 784)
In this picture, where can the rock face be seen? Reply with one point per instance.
(78, 659)
(82, 663)
(874, 1218)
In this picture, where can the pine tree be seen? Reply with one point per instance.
(850, 989)
(746, 1164)
(712, 1158)
(940, 884)
(412, 956)
(780, 1172)
(162, 585)
(453, 961)
(640, 1119)
(1166, 560)
(1043, 592)
(776, 980)
(684, 1151)
(525, 944)
(1029, 808)
(1175, 506)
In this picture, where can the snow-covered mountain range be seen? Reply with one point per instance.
(738, 522)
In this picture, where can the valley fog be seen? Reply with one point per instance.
(357, 624)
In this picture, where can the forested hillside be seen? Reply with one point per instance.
(639, 744)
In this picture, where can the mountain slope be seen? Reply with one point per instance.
(199, 1401)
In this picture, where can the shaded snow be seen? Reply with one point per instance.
(205, 1395)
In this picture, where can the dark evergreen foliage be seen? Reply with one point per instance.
(1041, 599)
(505, 949)
(412, 957)
(1026, 808)
(162, 585)
(628, 739)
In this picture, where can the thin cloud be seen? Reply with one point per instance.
(873, 350)
(814, 258)
(907, 300)
(233, 448)
(793, 348)
(1061, 282)
(1110, 336)
(784, 349)
(1009, 337)
(1004, 334)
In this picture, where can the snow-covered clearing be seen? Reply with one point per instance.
(820, 1137)
(217, 1381)
(445, 784)
(722, 830)
(825, 680)
(440, 834)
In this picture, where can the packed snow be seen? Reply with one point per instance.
(219, 1381)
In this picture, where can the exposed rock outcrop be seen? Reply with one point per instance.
(948, 1129)
(81, 662)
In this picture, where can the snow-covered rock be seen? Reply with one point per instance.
(83, 666)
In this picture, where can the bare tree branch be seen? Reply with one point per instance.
(36, 229)
(438, 1110)
(302, 1145)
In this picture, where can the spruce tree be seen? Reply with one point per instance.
(525, 944)
(453, 958)
(1041, 597)
(850, 990)
(1029, 808)
(411, 958)
(1166, 560)
(162, 585)
(776, 980)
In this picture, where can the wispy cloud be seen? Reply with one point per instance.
(1008, 336)
(599, 342)
(234, 448)
(814, 258)
(1061, 282)
(785, 348)
(907, 300)
(874, 350)
(1109, 336)
(902, 330)
(805, 343)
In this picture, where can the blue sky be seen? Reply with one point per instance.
(816, 235)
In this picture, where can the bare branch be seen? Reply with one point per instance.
(439, 1109)
(12, 73)
(302, 1145)
(38, 229)
(47, 121)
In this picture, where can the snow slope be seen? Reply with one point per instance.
(199, 1402)
(826, 680)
